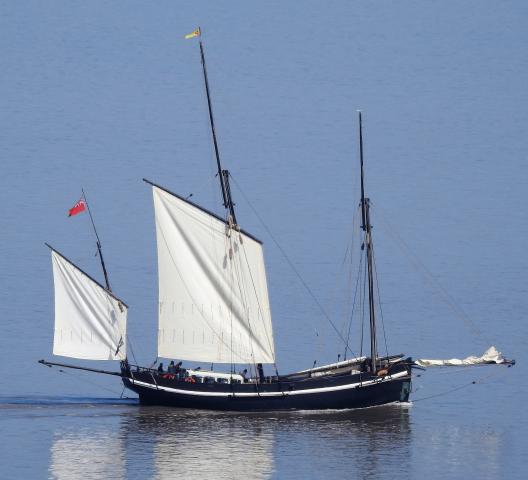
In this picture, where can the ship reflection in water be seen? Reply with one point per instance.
(88, 455)
(201, 446)
(160, 443)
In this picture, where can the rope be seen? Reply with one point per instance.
(94, 383)
(363, 295)
(459, 387)
(360, 268)
(290, 263)
(270, 342)
(229, 253)
(451, 370)
(342, 308)
(379, 302)
(237, 273)
(349, 305)
(129, 344)
(448, 299)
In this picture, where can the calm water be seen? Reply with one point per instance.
(101, 94)
(109, 439)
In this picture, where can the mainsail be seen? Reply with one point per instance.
(90, 323)
(213, 293)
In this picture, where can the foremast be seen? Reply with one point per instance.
(367, 228)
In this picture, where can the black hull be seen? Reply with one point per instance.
(343, 392)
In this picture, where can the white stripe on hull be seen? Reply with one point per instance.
(268, 394)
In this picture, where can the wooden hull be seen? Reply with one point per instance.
(331, 392)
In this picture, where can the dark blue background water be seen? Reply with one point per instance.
(101, 94)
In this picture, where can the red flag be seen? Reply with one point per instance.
(79, 207)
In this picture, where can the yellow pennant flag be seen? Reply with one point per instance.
(196, 33)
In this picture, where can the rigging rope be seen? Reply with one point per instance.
(290, 263)
(237, 272)
(448, 299)
(129, 344)
(379, 302)
(270, 342)
(459, 387)
(228, 252)
(348, 306)
(98, 385)
(360, 269)
(363, 310)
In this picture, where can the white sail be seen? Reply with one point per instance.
(90, 323)
(213, 293)
(490, 356)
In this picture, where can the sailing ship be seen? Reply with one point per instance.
(214, 308)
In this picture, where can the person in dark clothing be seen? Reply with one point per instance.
(160, 367)
(260, 370)
(125, 367)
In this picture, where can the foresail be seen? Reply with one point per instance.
(90, 323)
(213, 293)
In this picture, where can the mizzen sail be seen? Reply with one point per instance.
(90, 322)
(213, 293)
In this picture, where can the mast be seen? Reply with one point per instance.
(367, 228)
(223, 175)
(98, 244)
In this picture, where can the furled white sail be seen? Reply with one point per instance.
(90, 322)
(490, 356)
(213, 294)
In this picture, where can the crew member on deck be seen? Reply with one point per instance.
(260, 370)
(160, 367)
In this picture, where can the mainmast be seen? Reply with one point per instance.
(223, 175)
(367, 228)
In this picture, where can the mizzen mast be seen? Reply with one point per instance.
(99, 249)
(223, 175)
(367, 228)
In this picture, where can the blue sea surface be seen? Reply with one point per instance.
(98, 95)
